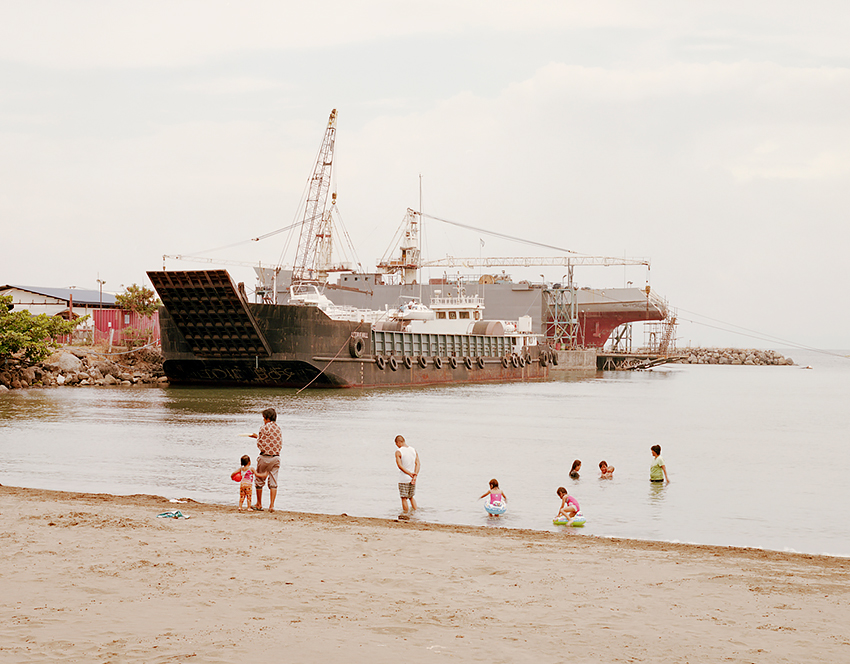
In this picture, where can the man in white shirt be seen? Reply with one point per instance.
(407, 461)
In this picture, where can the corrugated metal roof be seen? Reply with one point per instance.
(81, 296)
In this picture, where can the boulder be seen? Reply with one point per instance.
(104, 366)
(63, 361)
(110, 380)
(60, 379)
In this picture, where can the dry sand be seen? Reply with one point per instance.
(100, 578)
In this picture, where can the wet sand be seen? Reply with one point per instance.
(99, 578)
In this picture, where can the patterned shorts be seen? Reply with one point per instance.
(270, 465)
(245, 492)
(406, 489)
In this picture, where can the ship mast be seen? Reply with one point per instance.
(406, 240)
(314, 240)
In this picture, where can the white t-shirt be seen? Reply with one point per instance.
(408, 461)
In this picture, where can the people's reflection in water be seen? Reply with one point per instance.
(657, 492)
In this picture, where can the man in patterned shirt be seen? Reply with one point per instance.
(269, 442)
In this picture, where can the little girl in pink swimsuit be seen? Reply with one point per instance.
(569, 505)
(498, 499)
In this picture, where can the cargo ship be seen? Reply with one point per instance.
(212, 335)
(568, 316)
(598, 311)
(383, 328)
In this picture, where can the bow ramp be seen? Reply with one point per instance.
(211, 313)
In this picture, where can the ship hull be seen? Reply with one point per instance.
(212, 336)
(321, 374)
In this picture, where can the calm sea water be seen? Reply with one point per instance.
(757, 456)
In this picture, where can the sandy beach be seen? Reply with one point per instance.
(100, 578)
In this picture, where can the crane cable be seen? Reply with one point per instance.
(499, 235)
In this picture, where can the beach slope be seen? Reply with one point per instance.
(99, 578)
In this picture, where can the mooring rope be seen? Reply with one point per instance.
(331, 361)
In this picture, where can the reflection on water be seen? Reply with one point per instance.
(657, 492)
(655, 502)
(714, 425)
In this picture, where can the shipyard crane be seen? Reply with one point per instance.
(560, 302)
(314, 242)
(408, 260)
(313, 260)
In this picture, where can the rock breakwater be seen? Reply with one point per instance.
(84, 365)
(746, 356)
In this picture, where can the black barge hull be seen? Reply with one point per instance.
(211, 335)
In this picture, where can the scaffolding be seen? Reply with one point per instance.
(621, 339)
(560, 315)
(660, 337)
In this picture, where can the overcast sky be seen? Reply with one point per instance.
(712, 138)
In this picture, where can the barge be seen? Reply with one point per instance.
(212, 335)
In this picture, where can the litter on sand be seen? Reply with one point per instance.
(177, 514)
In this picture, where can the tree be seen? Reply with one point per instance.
(20, 331)
(139, 299)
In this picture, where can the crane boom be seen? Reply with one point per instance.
(315, 227)
(528, 261)
(214, 261)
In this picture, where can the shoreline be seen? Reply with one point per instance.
(82, 366)
(100, 577)
(483, 530)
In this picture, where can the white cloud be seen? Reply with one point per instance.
(794, 155)
(232, 85)
(165, 33)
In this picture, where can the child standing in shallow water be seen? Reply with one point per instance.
(657, 470)
(495, 493)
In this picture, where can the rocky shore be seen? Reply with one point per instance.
(85, 365)
(747, 356)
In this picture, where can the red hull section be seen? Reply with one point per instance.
(596, 328)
